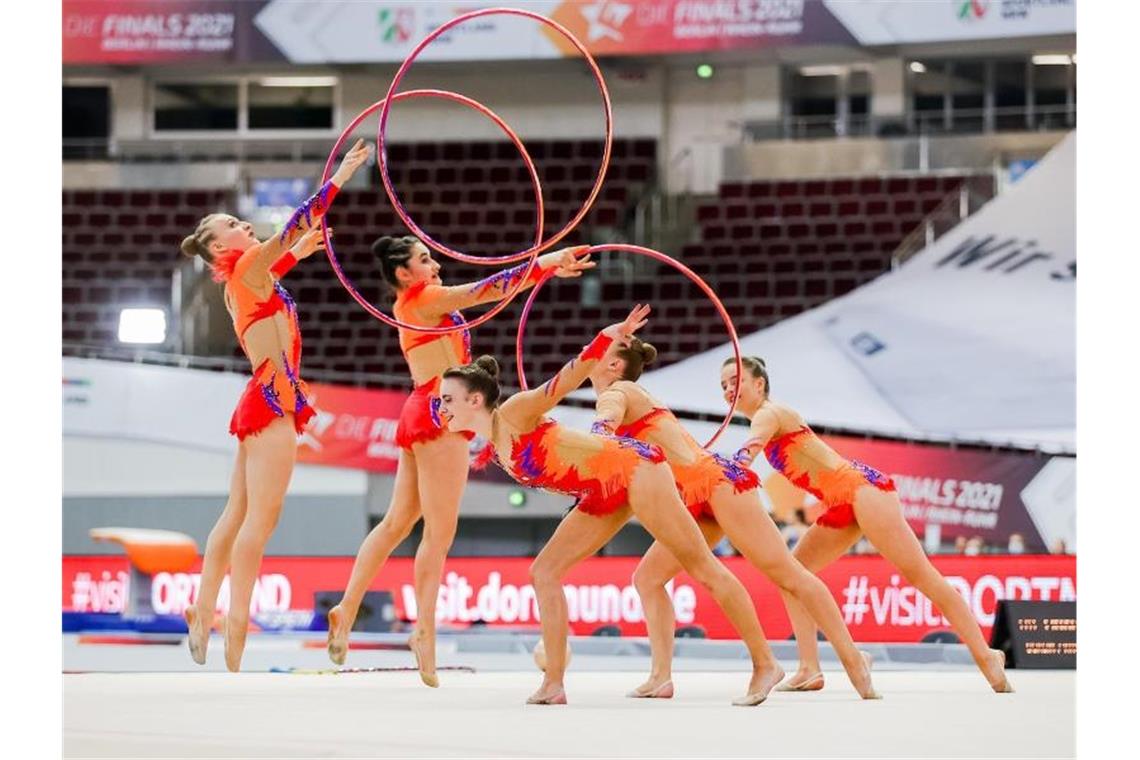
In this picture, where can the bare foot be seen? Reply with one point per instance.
(994, 671)
(862, 681)
(339, 626)
(539, 655)
(198, 634)
(654, 688)
(423, 647)
(763, 681)
(234, 637)
(550, 693)
(804, 679)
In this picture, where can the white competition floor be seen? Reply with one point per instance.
(151, 701)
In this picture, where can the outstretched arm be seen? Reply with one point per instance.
(440, 300)
(609, 412)
(539, 401)
(765, 424)
(306, 218)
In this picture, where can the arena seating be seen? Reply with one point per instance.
(771, 249)
(119, 249)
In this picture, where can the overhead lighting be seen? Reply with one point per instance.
(297, 81)
(822, 71)
(1051, 60)
(705, 71)
(142, 326)
(917, 67)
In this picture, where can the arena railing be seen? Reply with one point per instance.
(954, 209)
(401, 382)
(226, 364)
(954, 121)
(239, 150)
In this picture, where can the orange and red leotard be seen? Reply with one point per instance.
(429, 355)
(265, 321)
(696, 471)
(812, 465)
(542, 453)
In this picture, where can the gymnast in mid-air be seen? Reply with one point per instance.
(274, 407)
(432, 470)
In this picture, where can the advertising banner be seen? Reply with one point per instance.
(874, 22)
(989, 494)
(966, 493)
(373, 31)
(876, 602)
(133, 32)
(354, 427)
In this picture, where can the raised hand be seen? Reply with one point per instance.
(571, 262)
(311, 242)
(621, 332)
(355, 158)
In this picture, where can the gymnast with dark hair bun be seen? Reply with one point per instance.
(723, 498)
(858, 500)
(432, 471)
(612, 478)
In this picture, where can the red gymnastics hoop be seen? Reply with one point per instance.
(331, 252)
(643, 251)
(382, 153)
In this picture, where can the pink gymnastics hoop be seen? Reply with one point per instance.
(382, 153)
(331, 252)
(693, 276)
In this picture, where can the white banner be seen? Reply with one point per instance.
(184, 407)
(874, 22)
(346, 31)
(973, 338)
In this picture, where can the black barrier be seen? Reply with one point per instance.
(376, 615)
(1036, 635)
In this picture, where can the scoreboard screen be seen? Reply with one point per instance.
(1036, 634)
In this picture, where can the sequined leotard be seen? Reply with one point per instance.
(542, 453)
(265, 321)
(429, 356)
(809, 463)
(626, 409)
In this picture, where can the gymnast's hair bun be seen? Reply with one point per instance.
(489, 365)
(648, 353)
(381, 246)
(191, 247)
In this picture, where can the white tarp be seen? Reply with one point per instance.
(972, 339)
(875, 22)
(137, 429)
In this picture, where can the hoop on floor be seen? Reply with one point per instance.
(330, 251)
(382, 153)
(693, 276)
